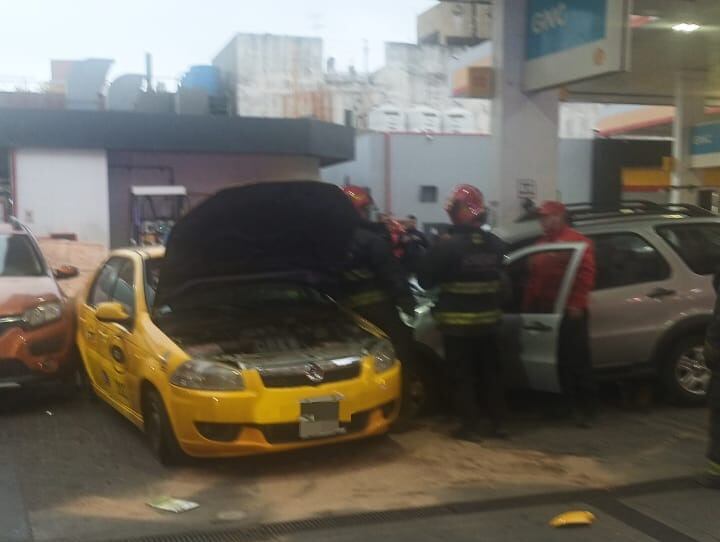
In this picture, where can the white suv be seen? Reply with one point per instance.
(652, 301)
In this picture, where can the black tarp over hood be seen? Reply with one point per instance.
(263, 228)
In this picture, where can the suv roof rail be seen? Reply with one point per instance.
(584, 212)
(17, 225)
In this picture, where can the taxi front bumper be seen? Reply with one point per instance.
(262, 420)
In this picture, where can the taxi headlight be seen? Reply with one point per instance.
(208, 375)
(383, 355)
(43, 314)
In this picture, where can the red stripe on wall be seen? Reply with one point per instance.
(388, 174)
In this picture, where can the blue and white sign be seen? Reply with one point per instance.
(705, 145)
(570, 40)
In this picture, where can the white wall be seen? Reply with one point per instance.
(63, 191)
(445, 161)
(368, 168)
(574, 182)
(201, 173)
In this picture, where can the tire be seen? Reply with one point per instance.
(158, 430)
(684, 374)
(75, 382)
(421, 387)
(82, 383)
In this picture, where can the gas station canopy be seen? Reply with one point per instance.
(658, 52)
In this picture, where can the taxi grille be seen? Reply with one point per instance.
(296, 377)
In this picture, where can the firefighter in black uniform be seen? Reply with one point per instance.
(467, 268)
(374, 285)
(712, 359)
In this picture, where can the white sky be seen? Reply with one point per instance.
(180, 33)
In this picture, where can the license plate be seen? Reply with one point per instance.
(320, 417)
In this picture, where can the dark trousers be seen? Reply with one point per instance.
(471, 358)
(386, 317)
(714, 403)
(575, 365)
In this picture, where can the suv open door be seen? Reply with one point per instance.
(531, 338)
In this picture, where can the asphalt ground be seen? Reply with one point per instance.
(74, 470)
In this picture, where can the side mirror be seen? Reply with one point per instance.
(66, 272)
(112, 313)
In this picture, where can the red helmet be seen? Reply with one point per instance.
(465, 204)
(395, 227)
(550, 208)
(359, 197)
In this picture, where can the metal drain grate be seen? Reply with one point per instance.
(273, 530)
(597, 497)
(245, 535)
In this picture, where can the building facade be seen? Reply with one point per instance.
(71, 172)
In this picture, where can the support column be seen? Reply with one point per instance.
(689, 111)
(524, 126)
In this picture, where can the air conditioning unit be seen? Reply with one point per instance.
(456, 24)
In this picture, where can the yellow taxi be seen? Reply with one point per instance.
(231, 364)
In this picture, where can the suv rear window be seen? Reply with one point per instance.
(697, 244)
(626, 258)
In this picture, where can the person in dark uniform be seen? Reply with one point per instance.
(467, 268)
(416, 245)
(374, 285)
(711, 478)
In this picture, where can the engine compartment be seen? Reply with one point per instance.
(283, 340)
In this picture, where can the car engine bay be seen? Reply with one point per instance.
(288, 340)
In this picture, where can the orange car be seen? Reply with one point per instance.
(36, 321)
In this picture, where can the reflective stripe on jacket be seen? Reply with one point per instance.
(468, 318)
(361, 288)
(467, 268)
(372, 274)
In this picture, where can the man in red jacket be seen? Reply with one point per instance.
(546, 273)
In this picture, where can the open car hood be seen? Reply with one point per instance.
(255, 229)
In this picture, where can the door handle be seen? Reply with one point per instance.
(538, 326)
(658, 293)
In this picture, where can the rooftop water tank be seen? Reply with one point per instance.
(423, 119)
(205, 78)
(387, 118)
(459, 121)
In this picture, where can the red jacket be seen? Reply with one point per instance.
(548, 269)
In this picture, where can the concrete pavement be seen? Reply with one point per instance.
(75, 470)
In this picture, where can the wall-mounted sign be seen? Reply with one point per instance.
(527, 189)
(570, 40)
(705, 145)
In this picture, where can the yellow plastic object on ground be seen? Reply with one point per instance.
(573, 518)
